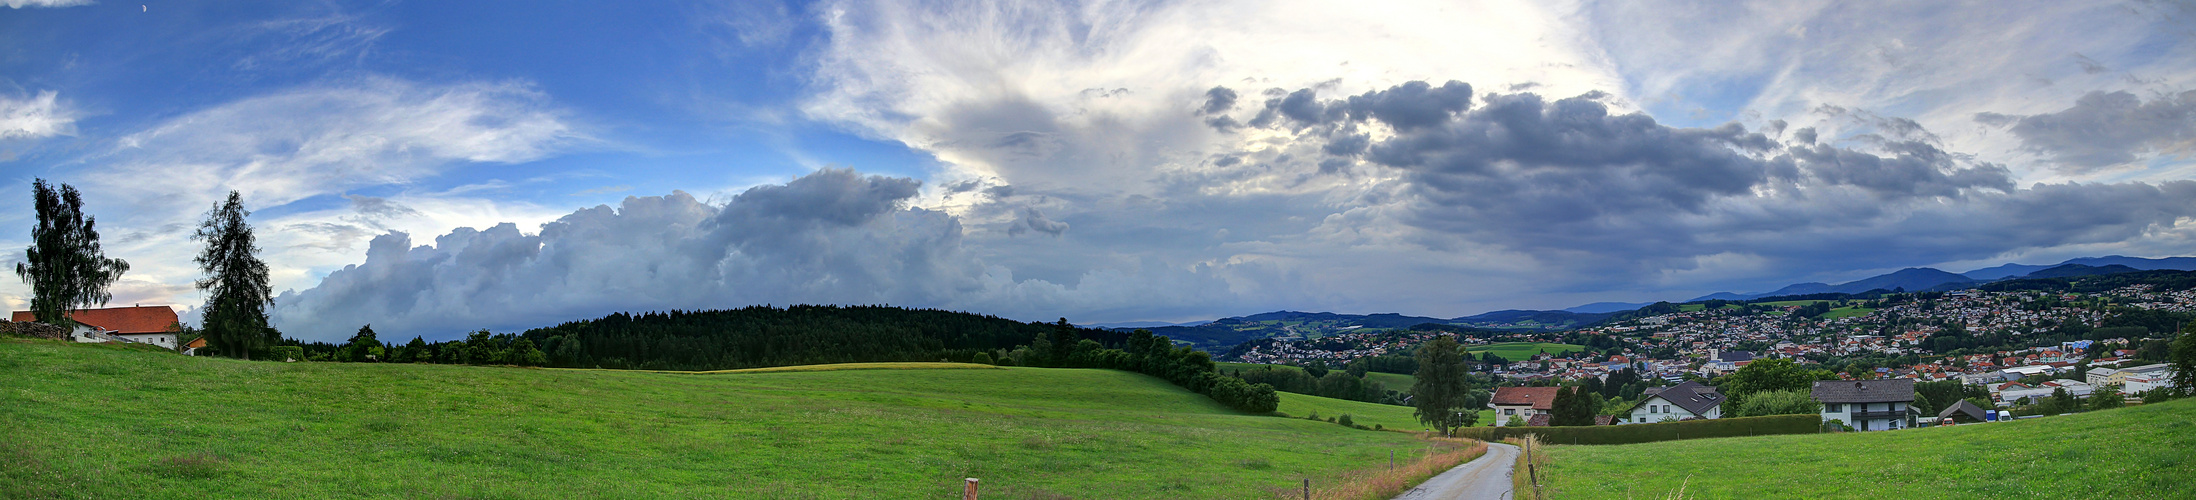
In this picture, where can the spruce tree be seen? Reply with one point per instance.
(235, 321)
(64, 265)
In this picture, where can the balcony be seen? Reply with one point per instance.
(1879, 414)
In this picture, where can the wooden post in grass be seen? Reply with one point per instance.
(1307, 489)
(968, 489)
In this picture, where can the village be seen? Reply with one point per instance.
(1876, 350)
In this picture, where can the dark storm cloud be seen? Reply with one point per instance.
(1413, 105)
(1569, 177)
(1218, 100)
(830, 237)
(1035, 220)
(2104, 129)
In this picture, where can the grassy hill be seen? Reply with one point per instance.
(107, 422)
(1394, 381)
(2137, 452)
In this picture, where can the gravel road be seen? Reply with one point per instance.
(1487, 477)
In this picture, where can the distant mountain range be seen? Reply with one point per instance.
(1917, 279)
(1220, 334)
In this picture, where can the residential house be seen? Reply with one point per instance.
(1868, 405)
(1522, 402)
(142, 324)
(1687, 401)
(1963, 412)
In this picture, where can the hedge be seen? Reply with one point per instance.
(1648, 433)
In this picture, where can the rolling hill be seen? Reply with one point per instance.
(108, 421)
(2137, 452)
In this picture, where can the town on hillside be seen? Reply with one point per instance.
(2012, 351)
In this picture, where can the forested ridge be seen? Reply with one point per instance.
(764, 336)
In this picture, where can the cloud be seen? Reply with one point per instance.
(1035, 220)
(315, 144)
(2107, 129)
(1570, 177)
(286, 146)
(290, 43)
(17, 4)
(35, 117)
(833, 236)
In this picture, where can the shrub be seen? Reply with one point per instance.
(285, 352)
(1345, 420)
(1648, 433)
(982, 358)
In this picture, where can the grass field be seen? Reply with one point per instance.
(1395, 381)
(98, 421)
(1365, 414)
(2137, 452)
(1519, 351)
(1790, 303)
(1846, 312)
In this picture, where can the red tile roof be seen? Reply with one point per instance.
(142, 319)
(1541, 398)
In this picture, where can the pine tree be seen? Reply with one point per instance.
(235, 322)
(64, 265)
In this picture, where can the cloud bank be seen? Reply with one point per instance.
(833, 236)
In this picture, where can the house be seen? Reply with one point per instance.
(1686, 401)
(1522, 402)
(1867, 405)
(1963, 412)
(191, 349)
(141, 324)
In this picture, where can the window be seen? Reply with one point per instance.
(1666, 409)
(1509, 411)
(1833, 407)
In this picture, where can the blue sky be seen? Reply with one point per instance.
(1040, 160)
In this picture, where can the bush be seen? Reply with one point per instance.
(1648, 433)
(1345, 420)
(285, 352)
(982, 358)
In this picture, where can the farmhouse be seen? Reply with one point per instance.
(142, 324)
(1523, 402)
(1687, 401)
(1964, 412)
(1868, 405)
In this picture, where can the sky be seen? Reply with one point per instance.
(434, 168)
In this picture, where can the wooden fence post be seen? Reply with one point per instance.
(968, 489)
(1307, 489)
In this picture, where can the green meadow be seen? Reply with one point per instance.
(1394, 381)
(1520, 351)
(100, 421)
(2137, 452)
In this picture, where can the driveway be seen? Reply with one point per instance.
(1486, 477)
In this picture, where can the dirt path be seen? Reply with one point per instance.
(1487, 477)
